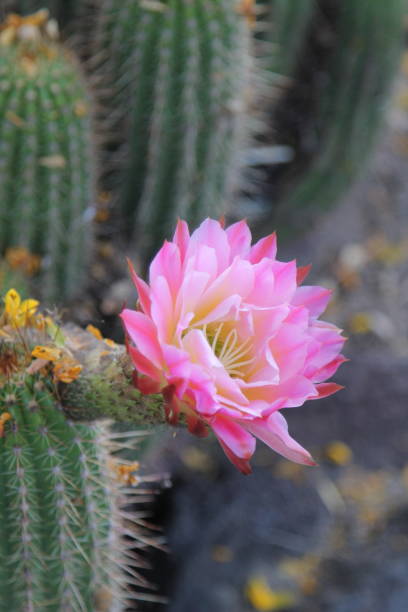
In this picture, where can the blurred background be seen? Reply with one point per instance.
(293, 114)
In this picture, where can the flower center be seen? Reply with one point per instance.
(229, 349)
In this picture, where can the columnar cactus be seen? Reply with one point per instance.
(173, 77)
(62, 525)
(46, 157)
(282, 26)
(363, 41)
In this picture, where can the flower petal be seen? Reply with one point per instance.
(239, 238)
(142, 288)
(314, 298)
(274, 432)
(235, 437)
(266, 247)
(143, 334)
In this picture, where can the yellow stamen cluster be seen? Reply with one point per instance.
(230, 350)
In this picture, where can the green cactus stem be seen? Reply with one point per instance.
(172, 80)
(46, 157)
(66, 540)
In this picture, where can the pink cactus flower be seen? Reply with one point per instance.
(225, 331)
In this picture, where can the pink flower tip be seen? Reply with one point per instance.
(231, 336)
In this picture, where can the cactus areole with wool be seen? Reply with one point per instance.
(230, 336)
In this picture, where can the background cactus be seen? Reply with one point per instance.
(46, 160)
(62, 10)
(63, 526)
(172, 81)
(340, 81)
(282, 25)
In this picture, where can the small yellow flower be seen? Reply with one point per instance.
(94, 331)
(19, 313)
(49, 353)
(98, 335)
(66, 370)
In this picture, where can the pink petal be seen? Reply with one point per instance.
(274, 432)
(326, 389)
(211, 234)
(192, 288)
(142, 288)
(143, 334)
(285, 282)
(314, 298)
(204, 259)
(167, 263)
(226, 309)
(328, 370)
(181, 238)
(289, 350)
(199, 351)
(242, 465)
(162, 309)
(239, 238)
(144, 365)
(266, 247)
(235, 437)
(238, 279)
(302, 273)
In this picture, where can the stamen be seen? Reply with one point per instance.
(233, 356)
(215, 339)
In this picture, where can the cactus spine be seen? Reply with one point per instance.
(176, 70)
(46, 173)
(62, 525)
